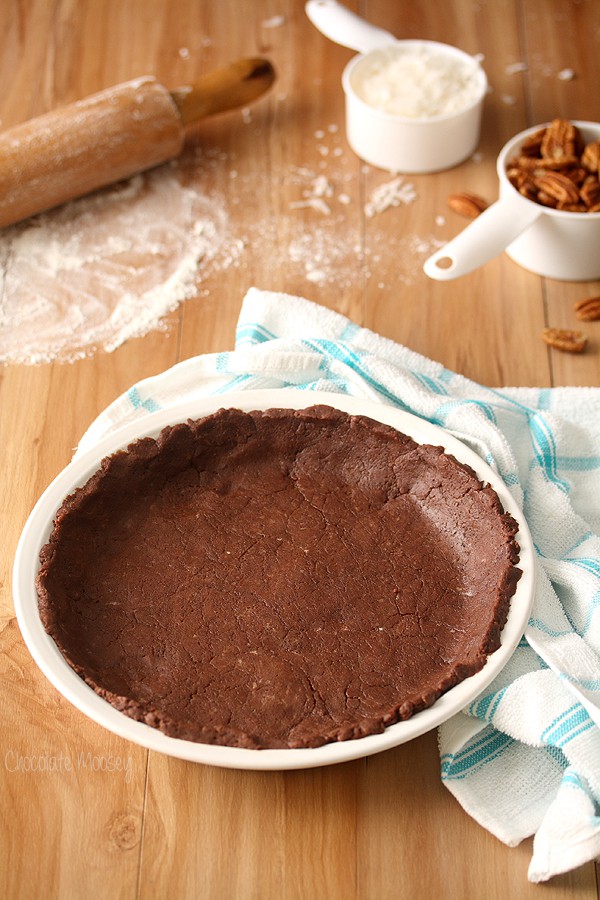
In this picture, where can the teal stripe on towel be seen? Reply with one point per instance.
(133, 395)
(485, 707)
(569, 725)
(443, 411)
(545, 629)
(253, 333)
(461, 765)
(578, 463)
(431, 384)
(236, 382)
(586, 562)
(544, 446)
(353, 361)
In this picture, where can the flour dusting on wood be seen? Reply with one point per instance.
(110, 267)
(104, 269)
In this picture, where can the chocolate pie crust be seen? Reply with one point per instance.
(279, 578)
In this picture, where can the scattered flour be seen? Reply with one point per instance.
(273, 22)
(396, 192)
(321, 258)
(566, 75)
(112, 266)
(314, 196)
(515, 68)
(104, 269)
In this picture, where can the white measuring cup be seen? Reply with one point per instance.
(550, 242)
(399, 143)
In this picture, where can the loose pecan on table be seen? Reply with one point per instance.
(468, 205)
(565, 339)
(587, 309)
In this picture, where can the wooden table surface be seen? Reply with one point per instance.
(382, 827)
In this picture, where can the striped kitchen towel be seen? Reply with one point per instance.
(524, 758)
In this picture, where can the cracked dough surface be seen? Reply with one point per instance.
(280, 578)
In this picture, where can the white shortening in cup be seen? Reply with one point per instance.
(411, 106)
(416, 79)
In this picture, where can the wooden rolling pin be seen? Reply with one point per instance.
(113, 134)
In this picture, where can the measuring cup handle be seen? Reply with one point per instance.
(487, 236)
(344, 27)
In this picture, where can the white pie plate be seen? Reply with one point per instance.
(54, 666)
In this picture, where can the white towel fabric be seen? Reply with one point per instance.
(524, 757)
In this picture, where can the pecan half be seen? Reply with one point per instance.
(468, 205)
(557, 185)
(577, 174)
(560, 140)
(572, 207)
(565, 339)
(532, 145)
(590, 191)
(587, 309)
(546, 199)
(527, 188)
(524, 163)
(590, 158)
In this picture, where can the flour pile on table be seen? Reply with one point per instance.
(109, 267)
(104, 268)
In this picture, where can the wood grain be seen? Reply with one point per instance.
(378, 828)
